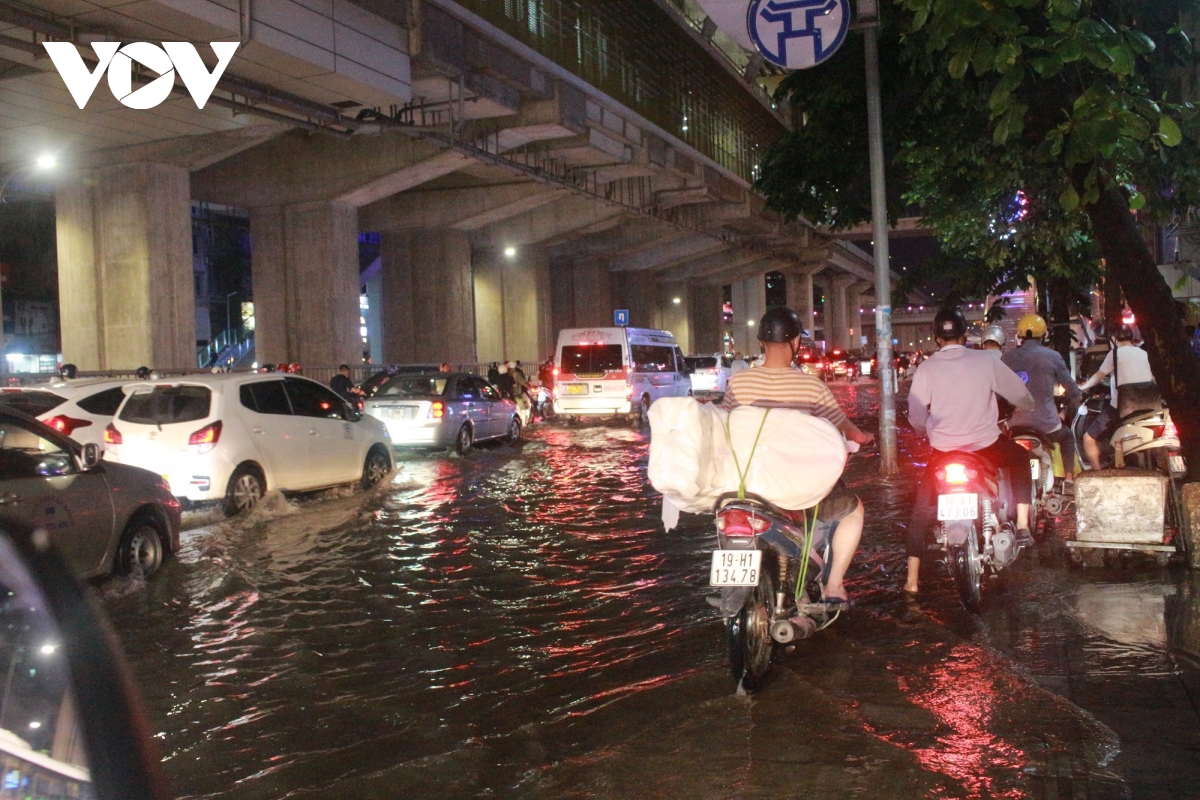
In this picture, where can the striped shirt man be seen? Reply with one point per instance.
(785, 385)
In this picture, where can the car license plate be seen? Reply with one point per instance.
(577, 388)
(400, 412)
(958, 506)
(1178, 467)
(735, 568)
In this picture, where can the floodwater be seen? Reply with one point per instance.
(517, 624)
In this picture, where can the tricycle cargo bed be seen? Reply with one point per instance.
(1120, 506)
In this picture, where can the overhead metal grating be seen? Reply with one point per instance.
(636, 53)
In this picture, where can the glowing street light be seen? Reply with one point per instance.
(46, 161)
(509, 252)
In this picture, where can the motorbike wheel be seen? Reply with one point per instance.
(966, 568)
(749, 634)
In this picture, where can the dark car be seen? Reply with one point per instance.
(104, 518)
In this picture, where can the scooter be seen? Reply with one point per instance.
(769, 566)
(976, 513)
(1046, 503)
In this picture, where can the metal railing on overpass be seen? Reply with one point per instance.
(634, 52)
(321, 373)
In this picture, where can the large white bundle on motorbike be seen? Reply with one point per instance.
(681, 452)
(785, 456)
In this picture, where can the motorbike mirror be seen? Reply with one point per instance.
(71, 723)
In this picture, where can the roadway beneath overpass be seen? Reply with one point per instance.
(512, 197)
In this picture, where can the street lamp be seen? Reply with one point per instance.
(43, 163)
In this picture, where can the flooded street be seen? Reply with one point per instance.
(517, 623)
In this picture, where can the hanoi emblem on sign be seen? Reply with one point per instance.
(797, 34)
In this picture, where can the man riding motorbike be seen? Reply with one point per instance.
(1133, 367)
(992, 340)
(953, 401)
(777, 382)
(1043, 370)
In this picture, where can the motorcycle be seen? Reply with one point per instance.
(769, 566)
(1146, 439)
(976, 513)
(1045, 503)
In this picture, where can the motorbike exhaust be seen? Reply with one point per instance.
(786, 631)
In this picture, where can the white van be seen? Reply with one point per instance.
(607, 371)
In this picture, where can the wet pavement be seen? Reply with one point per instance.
(517, 624)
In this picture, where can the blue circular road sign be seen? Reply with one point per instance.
(798, 34)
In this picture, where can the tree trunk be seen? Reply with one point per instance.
(1175, 366)
(1059, 291)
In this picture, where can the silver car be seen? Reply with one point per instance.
(442, 410)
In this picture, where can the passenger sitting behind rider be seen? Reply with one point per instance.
(953, 401)
(776, 382)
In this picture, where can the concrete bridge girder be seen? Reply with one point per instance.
(465, 209)
(568, 216)
(665, 251)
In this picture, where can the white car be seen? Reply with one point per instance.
(80, 409)
(710, 373)
(232, 437)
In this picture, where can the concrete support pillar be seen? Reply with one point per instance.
(854, 313)
(428, 297)
(638, 292)
(837, 334)
(704, 318)
(305, 267)
(512, 305)
(749, 304)
(592, 294)
(800, 297)
(126, 291)
(675, 313)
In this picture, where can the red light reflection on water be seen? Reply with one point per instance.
(965, 692)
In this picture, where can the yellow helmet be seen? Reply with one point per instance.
(1031, 326)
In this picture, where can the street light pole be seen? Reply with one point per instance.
(868, 11)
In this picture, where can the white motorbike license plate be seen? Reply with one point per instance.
(735, 568)
(1177, 465)
(958, 506)
(1035, 468)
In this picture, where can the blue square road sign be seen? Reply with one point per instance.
(621, 316)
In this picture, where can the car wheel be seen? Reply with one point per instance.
(141, 548)
(514, 432)
(246, 488)
(375, 468)
(464, 440)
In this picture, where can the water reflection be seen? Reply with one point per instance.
(42, 753)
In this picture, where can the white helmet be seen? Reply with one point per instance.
(993, 333)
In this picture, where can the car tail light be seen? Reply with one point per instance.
(65, 425)
(437, 410)
(206, 438)
(736, 522)
(956, 473)
(112, 435)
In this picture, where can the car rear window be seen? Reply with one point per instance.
(32, 403)
(166, 405)
(103, 404)
(412, 387)
(701, 363)
(591, 359)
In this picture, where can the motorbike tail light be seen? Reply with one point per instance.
(65, 425)
(1170, 431)
(437, 410)
(737, 522)
(956, 473)
(206, 438)
(1026, 443)
(556, 372)
(112, 435)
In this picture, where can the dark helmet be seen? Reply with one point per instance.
(1123, 333)
(67, 371)
(949, 324)
(779, 325)
(143, 373)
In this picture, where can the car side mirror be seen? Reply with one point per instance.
(91, 456)
(82, 727)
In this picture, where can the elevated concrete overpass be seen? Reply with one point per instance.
(524, 174)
